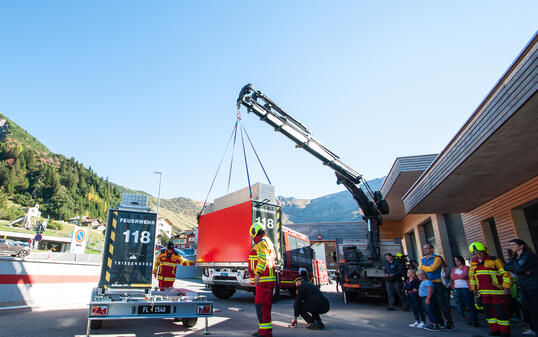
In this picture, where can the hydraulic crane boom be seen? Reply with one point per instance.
(271, 113)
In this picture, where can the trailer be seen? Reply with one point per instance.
(125, 285)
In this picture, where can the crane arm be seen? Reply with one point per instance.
(268, 111)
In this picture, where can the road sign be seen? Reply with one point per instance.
(79, 240)
(80, 235)
(38, 237)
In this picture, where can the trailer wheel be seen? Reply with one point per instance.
(96, 324)
(189, 322)
(222, 292)
(344, 293)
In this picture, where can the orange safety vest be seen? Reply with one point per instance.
(165, 265)
(262, 261)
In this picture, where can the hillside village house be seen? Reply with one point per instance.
(88, 222)
(164, 225)
(186, 239)
(483, 186)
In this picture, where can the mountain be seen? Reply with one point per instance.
(332, 207)
(181, 211)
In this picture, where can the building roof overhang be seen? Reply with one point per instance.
(495, 151)
(402, 175)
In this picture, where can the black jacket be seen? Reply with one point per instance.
(311, 299)
(526, 269)
(394, 268)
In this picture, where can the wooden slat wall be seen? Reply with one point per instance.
(500, 209)
(391, 230)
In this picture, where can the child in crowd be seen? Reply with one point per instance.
(411, 286)
(425, 291)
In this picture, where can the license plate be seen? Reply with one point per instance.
(223, 274)
(153, 309)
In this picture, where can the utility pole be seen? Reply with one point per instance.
(159, 195)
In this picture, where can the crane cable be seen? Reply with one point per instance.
(218, 168)
(234, 136)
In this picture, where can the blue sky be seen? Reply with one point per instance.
(130, 87)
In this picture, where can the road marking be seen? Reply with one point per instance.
(235, 309)
(285, 325)
(200, 325)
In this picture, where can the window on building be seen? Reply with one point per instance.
(492, 237)
(531, 214)
(411, 245)
(456, 235)
(429, 235)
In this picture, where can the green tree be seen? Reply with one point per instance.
(3, 199)
(163, 238)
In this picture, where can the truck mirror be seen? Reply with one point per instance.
(333, 254)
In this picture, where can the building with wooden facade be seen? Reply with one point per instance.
(483, 186)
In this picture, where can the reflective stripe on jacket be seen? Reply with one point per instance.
(262, 261)
(166, 264)
(489, 276)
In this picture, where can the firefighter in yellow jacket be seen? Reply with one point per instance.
(166, 265)
(492, 283)
(262, 274)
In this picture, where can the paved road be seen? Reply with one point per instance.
(234, 317)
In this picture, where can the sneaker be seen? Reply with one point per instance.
(421, 325)
(431, 327)
(414, 325)
(528, 332)
(256, 334)
(390, 309)
(450, 326)
(314, 326)
(494, 333)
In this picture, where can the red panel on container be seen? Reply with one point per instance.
(223, 235)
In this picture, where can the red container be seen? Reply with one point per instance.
(223, 236)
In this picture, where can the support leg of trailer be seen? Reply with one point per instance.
(206, 331)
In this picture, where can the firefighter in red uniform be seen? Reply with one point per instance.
(165, 266)
(492, 283)
(262, 274)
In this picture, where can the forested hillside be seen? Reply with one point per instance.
(30, 174)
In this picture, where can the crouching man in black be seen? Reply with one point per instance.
(309, 304)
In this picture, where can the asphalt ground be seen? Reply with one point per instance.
(233, 317)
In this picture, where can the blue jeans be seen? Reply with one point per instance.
(467, 298)
(430, 309)
(416, 306)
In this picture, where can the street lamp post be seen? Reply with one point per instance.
(159, 195)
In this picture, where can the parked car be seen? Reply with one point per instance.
(10, 247)
(22, 243)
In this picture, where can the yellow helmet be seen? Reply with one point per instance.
(477, 247)
(399, 255)
(256, 228)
